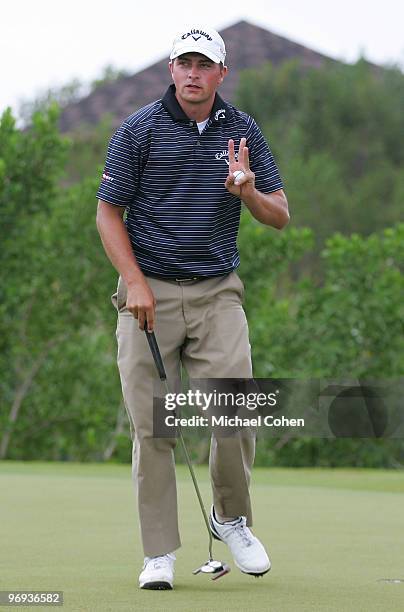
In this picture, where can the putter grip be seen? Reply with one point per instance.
(154, 347)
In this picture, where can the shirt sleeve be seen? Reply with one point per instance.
(121, 173)
(262, 163)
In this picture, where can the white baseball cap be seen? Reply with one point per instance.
(200, 40)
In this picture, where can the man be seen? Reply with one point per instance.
(171, 165)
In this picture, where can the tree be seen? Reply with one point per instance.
(336, 134)
(55, 284)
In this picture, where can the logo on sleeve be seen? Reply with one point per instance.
(106, 177)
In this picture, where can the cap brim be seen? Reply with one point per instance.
(195, 49)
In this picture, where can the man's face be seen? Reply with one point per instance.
(196, 77)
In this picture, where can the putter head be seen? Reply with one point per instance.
(213, 567)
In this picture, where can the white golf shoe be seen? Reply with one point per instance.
(248, 553)
(158, 572)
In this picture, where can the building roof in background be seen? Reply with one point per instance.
(247, 45)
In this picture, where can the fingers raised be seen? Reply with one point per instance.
(240, 150)
(232, 157)
(246, 160)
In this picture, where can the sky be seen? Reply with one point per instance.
(48, 43)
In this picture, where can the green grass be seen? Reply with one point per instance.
(332, 535)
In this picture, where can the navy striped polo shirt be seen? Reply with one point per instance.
(180, 218)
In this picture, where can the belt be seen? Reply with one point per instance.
(183, 280)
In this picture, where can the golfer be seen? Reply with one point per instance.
(180, 168)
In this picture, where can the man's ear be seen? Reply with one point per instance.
(223, 73)
(170, 67)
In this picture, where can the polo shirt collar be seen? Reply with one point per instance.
(220, 112)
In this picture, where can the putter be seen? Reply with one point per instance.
(218, 568)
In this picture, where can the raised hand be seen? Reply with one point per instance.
(236, 183)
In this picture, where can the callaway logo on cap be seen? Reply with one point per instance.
(200, 40)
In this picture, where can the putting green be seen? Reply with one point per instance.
(331, 534)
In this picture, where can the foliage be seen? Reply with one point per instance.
(109, 74)
(87, 151)
(55, 306)
(350, 323)
(69, 93)
(336, 135)
(348, 326)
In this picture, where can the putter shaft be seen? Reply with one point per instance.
(191, 471)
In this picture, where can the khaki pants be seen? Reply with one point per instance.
(202, 325)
